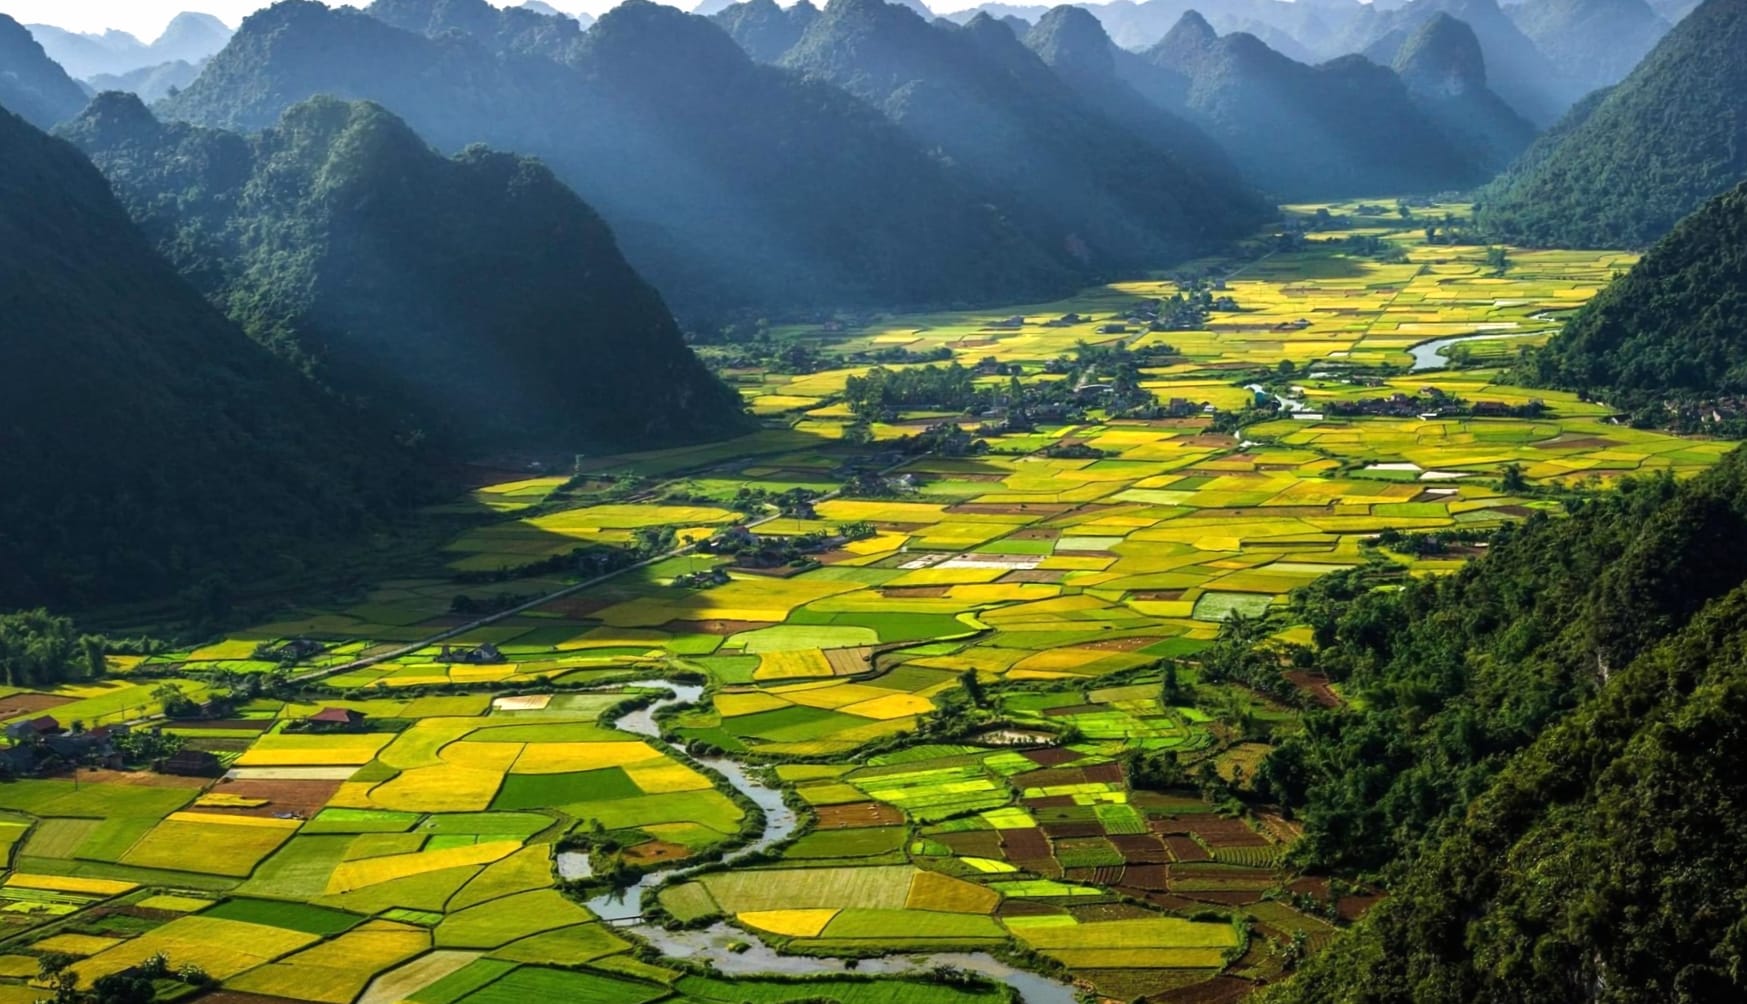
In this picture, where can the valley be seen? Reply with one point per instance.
(978, 646)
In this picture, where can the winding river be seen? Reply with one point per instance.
(734, 952)
(1430, 355)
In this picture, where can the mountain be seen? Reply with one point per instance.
(1555, 731)
(1000, 12)
(1674, 327)
(151, 83)
(1673, 10)
(83, 55)
(1668, 137)
(1348, 127)
(188, 38)
(1445, 71)
(1066, 171)
(473, 298)
(1594, 42)
(1517, 70)
(148, 441)
(765, 30)
(732, 186)
(1072, 42)
(1302, 29)
(540, 7)
(31, 84)
(521, 30)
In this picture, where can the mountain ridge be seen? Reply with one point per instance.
(198, 451)
(1677, 124)
(411, 282)
(723, 179)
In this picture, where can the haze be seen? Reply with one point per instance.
(147, 18)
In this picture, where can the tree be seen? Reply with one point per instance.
(973, 688)
(1170, 689)
(96, 658)
(1154, 771)
(40, 649)
(1515, 480)
(175, 702)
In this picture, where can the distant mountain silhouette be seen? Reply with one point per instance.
(188, 38)
(1445, 70)
(1347, 127)
(1069, 173)
(1072, 42)
(1594, 42)
(1516, 69)
(150, 83)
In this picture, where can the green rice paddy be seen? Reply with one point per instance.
(1059, 567)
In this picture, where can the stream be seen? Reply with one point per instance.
(725, 946)
(1430, 355)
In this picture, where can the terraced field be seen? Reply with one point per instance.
(953, 660)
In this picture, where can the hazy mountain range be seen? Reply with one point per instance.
(189, 38)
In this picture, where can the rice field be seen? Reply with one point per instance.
(414, 856)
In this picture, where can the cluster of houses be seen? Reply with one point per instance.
(42, 742)
(43, 745)
(750, 550)
(1431, 403)
(291, 652)
(483, 655)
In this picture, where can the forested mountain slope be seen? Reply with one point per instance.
(32, 86)
(765, 30)
(1563, 719)
(1673, 328)
(147, 440)
(476, 299)
(730, 185)
(1670, 136)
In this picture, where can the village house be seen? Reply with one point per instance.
(33, 729)
(191, 763)
(485, 655)
(96, 746)
(335, 720)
